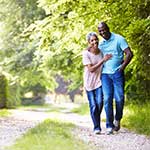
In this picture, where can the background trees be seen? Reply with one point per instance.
(44, 38)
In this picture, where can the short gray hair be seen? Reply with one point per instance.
(88, 36)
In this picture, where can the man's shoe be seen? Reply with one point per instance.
(97, 132)
(116, 125)
(109, 131)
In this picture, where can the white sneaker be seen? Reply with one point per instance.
(97, 132)
(109, 131)
(117, 125)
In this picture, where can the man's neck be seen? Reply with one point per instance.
(109, 35)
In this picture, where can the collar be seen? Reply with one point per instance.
(110, 39)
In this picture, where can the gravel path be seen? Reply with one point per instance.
(20, 121)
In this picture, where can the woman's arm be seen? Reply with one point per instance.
(93, 68)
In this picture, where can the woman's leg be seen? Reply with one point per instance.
(99, 103)
(93, 109)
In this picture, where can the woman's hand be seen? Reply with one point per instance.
(107, 57)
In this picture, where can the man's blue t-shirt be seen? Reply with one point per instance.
(115, 46)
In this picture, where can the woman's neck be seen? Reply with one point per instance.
(94, 51)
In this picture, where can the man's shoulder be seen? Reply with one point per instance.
(118, 36)
(101, 42)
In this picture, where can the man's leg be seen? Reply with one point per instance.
(107, 86)
(118, 79)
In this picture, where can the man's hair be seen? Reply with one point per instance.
(104, 24)
(88, 36)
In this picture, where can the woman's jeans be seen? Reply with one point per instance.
(113, 87)
(95, 99)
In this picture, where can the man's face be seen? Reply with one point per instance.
(104, 31)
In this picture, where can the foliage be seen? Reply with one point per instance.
(3, 91)
(4, 113)
(62, 37)
(13, 95)
(83, 109)
(136, 118)
(139, 31)
(16, 53)
(46, 38)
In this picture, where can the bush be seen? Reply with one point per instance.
(3, 91)
(14, 95)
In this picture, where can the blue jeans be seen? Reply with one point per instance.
(113, 87)
(95, 99)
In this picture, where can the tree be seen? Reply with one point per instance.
(16, 53)
(3, 91)
(69, 21)
(44, 44)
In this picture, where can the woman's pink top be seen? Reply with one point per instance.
(91, 79)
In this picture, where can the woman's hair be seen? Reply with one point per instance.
(88, 37)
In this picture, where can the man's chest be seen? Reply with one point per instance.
(111, 47)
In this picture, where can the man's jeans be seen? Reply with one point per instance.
(113, 87)
(95, 99)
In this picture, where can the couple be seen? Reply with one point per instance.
(104, 66)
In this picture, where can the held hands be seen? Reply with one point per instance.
(107, 57)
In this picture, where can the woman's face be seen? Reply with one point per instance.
(93, 42)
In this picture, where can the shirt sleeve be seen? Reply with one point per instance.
(85, 58)
(123, 43)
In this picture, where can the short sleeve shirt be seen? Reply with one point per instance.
(115, 46)
(91, 79)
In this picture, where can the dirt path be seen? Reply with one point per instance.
(20, 121)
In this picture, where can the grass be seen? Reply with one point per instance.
(45, 108)
(82, 110)
(136, 117)
(4, 113)
(50, 135)
(56, 135)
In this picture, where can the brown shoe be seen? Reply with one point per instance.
(117, 125)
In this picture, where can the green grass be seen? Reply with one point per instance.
(50, 135)
(45, 108)
(4, 112)
(82, 110)
(137, 118)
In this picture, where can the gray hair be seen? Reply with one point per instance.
(89, 35)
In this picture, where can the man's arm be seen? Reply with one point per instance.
(128, 57)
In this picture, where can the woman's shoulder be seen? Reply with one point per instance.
(85, 52)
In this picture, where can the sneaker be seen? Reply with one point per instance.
(109, 131)
(117, 125)
(97, 132)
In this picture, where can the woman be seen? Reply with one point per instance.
(92, 61)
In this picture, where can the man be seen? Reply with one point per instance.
(113, 75)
